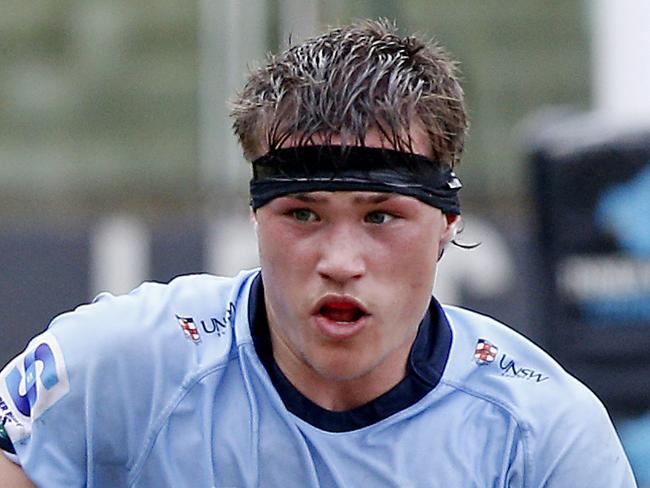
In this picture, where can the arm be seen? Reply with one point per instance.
(11, 475)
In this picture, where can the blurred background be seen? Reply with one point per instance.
(117, 162)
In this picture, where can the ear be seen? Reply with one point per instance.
(453, 222)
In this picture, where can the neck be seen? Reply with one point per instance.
(335, 390)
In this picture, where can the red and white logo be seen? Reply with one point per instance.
(189, 328)
(485, 352)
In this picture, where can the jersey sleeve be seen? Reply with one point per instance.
(33, 388)
(77, 403)
(576, 446)
(85, 400)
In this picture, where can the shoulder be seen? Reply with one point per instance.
(195, 292)
(149, 316)
(497, 363)
(138, 349)
(170, 331)
(111, 370)
(565, 430)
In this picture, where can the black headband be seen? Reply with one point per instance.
(303, 169)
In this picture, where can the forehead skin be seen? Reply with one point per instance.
(365, 197)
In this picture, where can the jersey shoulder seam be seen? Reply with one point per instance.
(167, 411)
(502, 406)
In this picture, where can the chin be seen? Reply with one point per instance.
(341, 367)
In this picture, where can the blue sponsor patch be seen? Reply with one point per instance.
(30, 384)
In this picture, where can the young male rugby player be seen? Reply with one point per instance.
(332, 365)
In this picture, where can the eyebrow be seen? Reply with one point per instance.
(376, 198)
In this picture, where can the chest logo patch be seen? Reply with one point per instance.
(485, 352)
(217, 326)
(189, 328)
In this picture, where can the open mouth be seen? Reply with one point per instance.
(341, 314)
(341, 310)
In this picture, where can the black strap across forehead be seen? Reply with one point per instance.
(303, 169)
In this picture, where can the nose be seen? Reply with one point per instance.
(342, 255)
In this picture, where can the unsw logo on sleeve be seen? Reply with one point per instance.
(30, 384)
(486, 353)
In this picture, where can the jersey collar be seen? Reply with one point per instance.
(426, 364)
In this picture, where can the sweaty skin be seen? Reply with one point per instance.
(348, 277)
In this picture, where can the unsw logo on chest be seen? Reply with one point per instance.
(213, 325)
(486, 353)
(510, 369)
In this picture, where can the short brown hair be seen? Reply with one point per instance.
(347, 81)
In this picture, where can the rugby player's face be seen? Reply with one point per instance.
(348, 277)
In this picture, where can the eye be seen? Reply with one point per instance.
(304, 215)
(378, 217)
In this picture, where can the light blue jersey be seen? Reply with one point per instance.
(174, 385)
